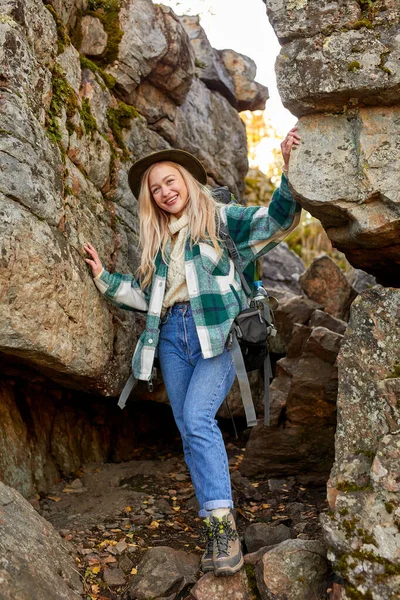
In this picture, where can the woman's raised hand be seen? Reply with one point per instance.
(94, 260)
(286, 146)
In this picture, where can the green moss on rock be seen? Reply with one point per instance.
(346, 486)
(118, 119)
(252, 582)
(364, 22)
(63, 96)
(108, 79)
(354, 594)
(88, 120)
(62, 34)
(107, 11)
(354, 65)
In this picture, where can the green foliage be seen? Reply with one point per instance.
(107, 12)
(354, 65)
(109, 80)
(118, 119)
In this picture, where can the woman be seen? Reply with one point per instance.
(191, 292)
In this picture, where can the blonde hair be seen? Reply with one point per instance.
(154, 232)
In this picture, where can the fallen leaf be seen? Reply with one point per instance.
(107, 543)
(109, 559)
(129, 535)
(127, 509)
(134, 571)
(176, 508)
(115, 530)
(95, 588)
(93, 561)
(96, 570)
(54, 498)
(255, 485)
(154, 525)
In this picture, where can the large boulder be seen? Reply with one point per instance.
(293, 570)
(35, 562)
(326, 284)
(166, 58)
(209, 65)
(292, 20)
(339, 70)
(250, 95)
(363, 490)
(325, 73)
(163, 571)
(354, 186)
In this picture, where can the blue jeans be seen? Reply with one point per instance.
(196, 388)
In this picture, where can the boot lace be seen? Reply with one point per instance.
(207, 535)
(223, 534)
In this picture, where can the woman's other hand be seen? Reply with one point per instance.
(94, 260)
(286, 146)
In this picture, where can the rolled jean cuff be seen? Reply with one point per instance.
(213, 504)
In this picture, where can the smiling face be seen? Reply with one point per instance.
(168, 189)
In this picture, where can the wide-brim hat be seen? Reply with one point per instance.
(187, 160)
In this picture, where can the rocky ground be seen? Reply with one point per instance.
(114, 513)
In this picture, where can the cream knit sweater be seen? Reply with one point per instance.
(176, 288)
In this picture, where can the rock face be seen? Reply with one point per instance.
(86, 88)
(342, 57)
(209, 67)
(363, 490)
(68, 146)
(48, 431)
(35, 562)
(303, 392)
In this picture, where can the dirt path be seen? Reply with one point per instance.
(113, 513)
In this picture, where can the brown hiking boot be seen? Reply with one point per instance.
(207, 560)
(228, 557)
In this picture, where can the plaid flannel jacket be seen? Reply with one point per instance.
(216, 294)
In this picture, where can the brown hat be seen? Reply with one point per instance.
(187, 160)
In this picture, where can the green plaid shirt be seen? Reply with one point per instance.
(216, 294)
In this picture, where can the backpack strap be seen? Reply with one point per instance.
(243, 381)
(128, 387)
(234, 254)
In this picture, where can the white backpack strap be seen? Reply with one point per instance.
(128, 387)
(243, 381)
